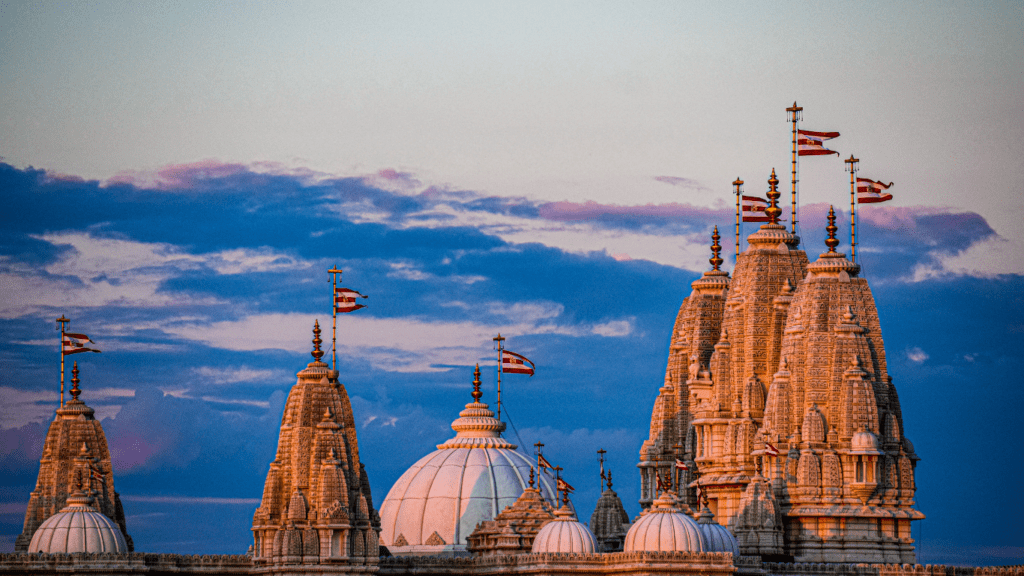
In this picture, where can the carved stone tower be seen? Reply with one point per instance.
(75, 459)
(316, 514)
(844, 474)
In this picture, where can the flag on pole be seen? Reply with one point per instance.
(345, 300)
(681, 465)
(753, 209)
(564, 486)
(512, 363)
(75, 343)
(770, 450)
(543, 463)
(872, 192)
(810, 143)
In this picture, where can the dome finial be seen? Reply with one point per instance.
(716, 248)
(317, 352)
(75, 390)
(831, 241)
(565, 497)
(609, 479)
(476, 384)
(773, 211)
(531, 476)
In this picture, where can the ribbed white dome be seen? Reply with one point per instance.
(563, 535)
(78, 527)
(664, 529)
(864, 442)
(437, 503)
(717, 537)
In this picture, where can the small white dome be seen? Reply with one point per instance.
(717, 537)
(438, 502)
(78, 527)
(563, 535)
(664, 529)
(864, 442)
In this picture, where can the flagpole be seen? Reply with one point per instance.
(851, 167)
(737, 183)
(62, 321)
(500, 342)
(334, 322)
(601, 454)
(794, 115)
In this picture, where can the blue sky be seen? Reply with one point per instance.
(177, 178)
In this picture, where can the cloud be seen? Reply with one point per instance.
(916, 355)
(20, 407)
(681, 182)
(234, 375)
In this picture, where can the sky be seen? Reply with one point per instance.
(178, 177)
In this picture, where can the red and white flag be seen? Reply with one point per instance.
(753, 209)
(872, 192)
(681, 465)
(345, 300)
(543, 463)
(75, 343)
(564, 486)
(811, 143)
(512, 363)
(770, 450)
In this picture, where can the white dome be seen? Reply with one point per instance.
(664, 529)
(563, 535)
(864, 442)
(717, 537)
(78, 527)
(437, 503)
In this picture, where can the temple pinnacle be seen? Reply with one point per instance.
(317, 352)
(609, 479)
(773, 211)
(75, 390)
(476, 384)
(716, 248)
(831, 241)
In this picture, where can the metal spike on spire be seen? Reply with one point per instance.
(317, 352)
(831, 241)
(75, 390)
(773, 211)
(476, 384)
(716, 249)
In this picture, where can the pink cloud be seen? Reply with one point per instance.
(178, 176)
(575, 211)
(680, 181)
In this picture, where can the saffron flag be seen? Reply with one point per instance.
(564, 486)
(811, 143)
(770, 450)
(681, 465)
(543, 463)
(345, 300)
(75, 343)
(872, 192)
(753, 209)
(512, 363)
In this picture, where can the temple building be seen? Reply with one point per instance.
(316, 510)
(77, 479)
(786, 355)
(436, 504)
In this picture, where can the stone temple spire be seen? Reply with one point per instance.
(843, 467)
(316, 506)
(75, 459)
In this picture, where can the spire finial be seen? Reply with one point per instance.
(531, 476)
(75, 391)
(317, 352)
(716, 248)
(609, 479)
(831, 241)
(773, 211)
(565, 497)
(476, 384)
